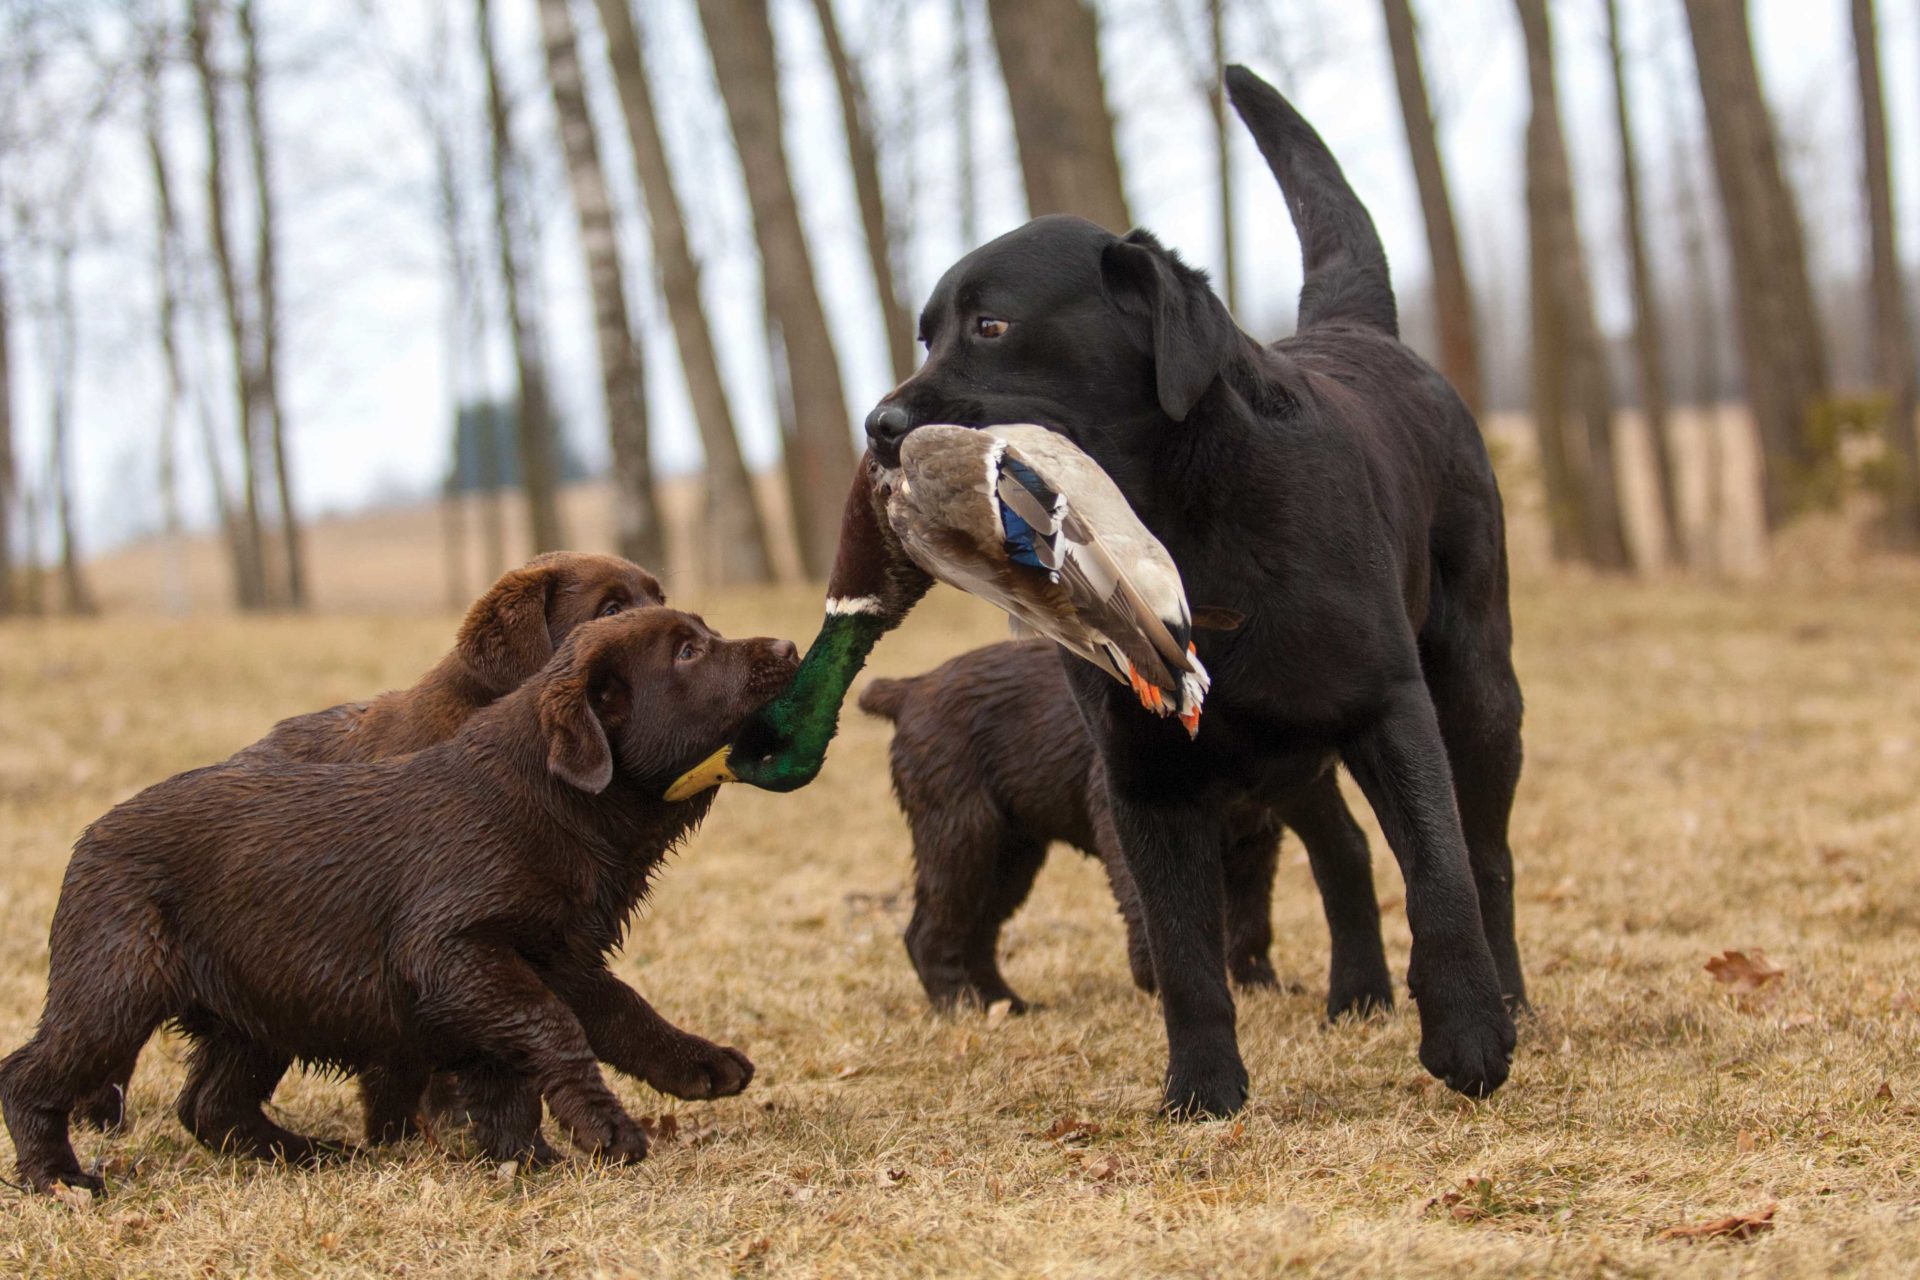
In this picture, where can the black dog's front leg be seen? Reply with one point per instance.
(1466, 1032)
(1174, 852)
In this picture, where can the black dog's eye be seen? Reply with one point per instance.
(990, 326)
(610, 608)
(688, 652)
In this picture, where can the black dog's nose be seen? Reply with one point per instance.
(887, 426)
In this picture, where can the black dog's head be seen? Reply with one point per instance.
(649, 693)
(1063, 324)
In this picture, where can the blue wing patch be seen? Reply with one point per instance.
(1020, 538)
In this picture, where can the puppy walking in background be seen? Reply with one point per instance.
(1332, 489)
(455, 908)
(507, 635)
(992, 763)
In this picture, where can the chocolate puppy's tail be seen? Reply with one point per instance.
(1346, 269)
(885, 698)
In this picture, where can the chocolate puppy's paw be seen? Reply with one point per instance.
(1466, 1030)
(618, 1140)
(49, 1183)
(697, 1069)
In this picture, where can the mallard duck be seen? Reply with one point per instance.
(1020, 516)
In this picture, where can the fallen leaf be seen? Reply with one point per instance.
(663, 1129)
(1744, 972)
(506, 1171)
(751, 1249)
(849, 1071)
(889, 1178)
(1885, 1092)
(998, 1012)
(1105, 1169)
(329, 1242)
(1745, 1143)
(72, 1197)
(1068, 1131)
(1740, 1226)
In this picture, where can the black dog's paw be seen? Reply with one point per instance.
(1253, 971)
(1210, 1088)
(1466, 1041)
(1359, 994)
(698, 1069)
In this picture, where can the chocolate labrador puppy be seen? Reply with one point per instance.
(992, 764)
(449, 909)
(507, 635)
(1333, 490)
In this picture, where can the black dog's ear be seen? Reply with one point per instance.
(1193, 336)
(504, 637)
(571, 707)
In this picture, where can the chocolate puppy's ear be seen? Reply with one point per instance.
(1192, 336)
(504, 637)
(577, 749)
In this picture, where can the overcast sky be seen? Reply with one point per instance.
(368, 387)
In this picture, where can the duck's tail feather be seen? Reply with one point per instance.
(1346, 268)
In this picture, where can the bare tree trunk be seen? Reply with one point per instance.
(166, 233)
(1050, 57)
(8, 602)
(249, 542)
(820, 447)
(266, 229)
(1222, 150)
(533, 414)
(1570, 336)
(963, 125)
(861, 151)
(1785, 357)
(1893, 338)
(1452, 296)
(623, 370)
(735, 528)
(74, 596)
(1648, 344)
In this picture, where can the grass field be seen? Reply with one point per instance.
(1708, 768)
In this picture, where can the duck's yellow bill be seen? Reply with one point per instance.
(710, 772)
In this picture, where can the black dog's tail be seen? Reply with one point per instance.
(1347, 281)
(884, 698)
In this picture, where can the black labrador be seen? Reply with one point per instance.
(1334, 489)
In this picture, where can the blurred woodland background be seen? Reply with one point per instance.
(300, 297)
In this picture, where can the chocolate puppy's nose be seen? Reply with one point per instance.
(888, 425)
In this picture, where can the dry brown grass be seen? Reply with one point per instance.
(1707, 769)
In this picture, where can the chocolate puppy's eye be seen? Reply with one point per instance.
(611, 607)
(688, 652)
(990, 326)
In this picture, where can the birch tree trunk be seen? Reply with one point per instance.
(1452, 296)
(1649, 347)
(1780, 334)
(623, 370)
(1570, 364)
(1893, 338)
(249, 541)
(8, 602)
(857, 123)
(735, 528)
(1050, 57)
(819, 445)
(75, 598)
(266, 272)
(173, 392)
(533, 413)
(963, 126)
